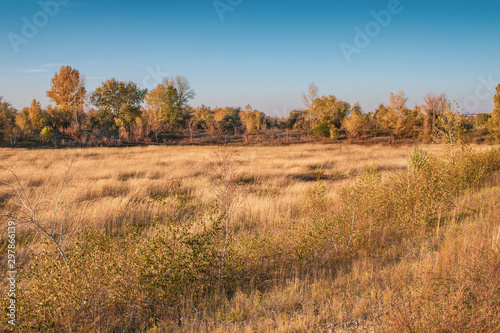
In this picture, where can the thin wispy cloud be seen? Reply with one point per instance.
(58, 65)
(30, 71)
(52, 64)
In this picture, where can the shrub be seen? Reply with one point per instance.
(119, 283)
(95, 288)
(180, 259)
(379, 211)
(321, 129)
(46, 133)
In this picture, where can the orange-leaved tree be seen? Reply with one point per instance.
(68, 92)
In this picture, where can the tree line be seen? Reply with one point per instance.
(121, 112)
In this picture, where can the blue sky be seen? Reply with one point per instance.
(263, 53)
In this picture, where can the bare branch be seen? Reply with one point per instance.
(27, 216)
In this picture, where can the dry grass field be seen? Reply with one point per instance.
(112, 187)
(323, 238)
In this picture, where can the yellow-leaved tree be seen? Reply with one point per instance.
(163, 109)
(253, 120)
(495, 115)
(357, 123)
(68, 92)
(32, 119)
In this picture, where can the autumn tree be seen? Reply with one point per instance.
(395, 118)
(433, 107)
(405, 120)
(23, 121)
(411, 123)
(311, 96)
(482, 119)
(356, 124)
(449, 127)
(384, 120)
(202, 117)
(326, 114)
(163, 108)
(58, 119)
(8, 128)
(495, 115)
(184, 90)
(117, 102)
(253, 120)
(397, 102)
(297, 120)
(68, 92)
(189, 122)
(33, 118)
(227, 120)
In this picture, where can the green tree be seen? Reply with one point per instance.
(327, 112)
(129, 116)
(117, 100)
(46, 133)
(68, 92)
(321, 129)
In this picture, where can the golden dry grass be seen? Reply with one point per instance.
(112, 187)
(446, 283)
(407, 288)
